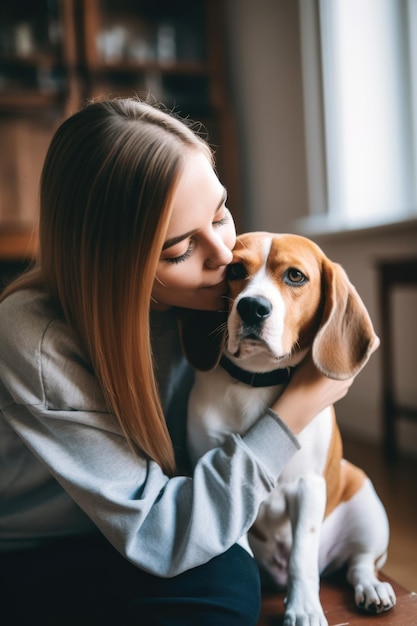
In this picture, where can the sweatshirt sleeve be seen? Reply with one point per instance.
(163, 525)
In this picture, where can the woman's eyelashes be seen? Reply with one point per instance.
(183, 257)
(225, 219)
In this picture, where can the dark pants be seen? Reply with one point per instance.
(85, 582)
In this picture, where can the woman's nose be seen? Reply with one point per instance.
(219, 255)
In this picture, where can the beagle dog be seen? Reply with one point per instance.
(288, 299)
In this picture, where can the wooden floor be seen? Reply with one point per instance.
(397, 488)
(340, 610)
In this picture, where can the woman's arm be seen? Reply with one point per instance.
(51, 400)
(308, 393)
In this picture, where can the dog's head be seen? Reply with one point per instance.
(285, 298)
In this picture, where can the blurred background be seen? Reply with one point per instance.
(311, 107)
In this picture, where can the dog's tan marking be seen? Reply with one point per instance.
(252, 258)
(343, 479)
(352, 480)
(303, 303)
(332, 471)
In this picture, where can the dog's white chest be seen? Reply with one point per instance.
(213, 397)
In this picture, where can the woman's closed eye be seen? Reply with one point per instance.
(225, 219)
(216, 224)
(182, 257)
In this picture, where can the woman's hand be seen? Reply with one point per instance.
(308, 393)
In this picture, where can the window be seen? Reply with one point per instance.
(360, 68)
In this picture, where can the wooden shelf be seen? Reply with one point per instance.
(12, 101)
(34, 60)
(184, 68)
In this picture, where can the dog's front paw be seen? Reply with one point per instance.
(304, 619)
(375, 598)
(306, 611)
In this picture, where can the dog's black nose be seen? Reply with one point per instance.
(254, 310)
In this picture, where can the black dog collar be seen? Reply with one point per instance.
(256, 379)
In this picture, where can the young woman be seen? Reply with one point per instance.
(101, 521)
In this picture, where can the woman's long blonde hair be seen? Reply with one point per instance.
(105, 200)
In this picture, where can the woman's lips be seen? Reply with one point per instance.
(221, 286)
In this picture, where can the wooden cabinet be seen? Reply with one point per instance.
(55, 54)
(37, 55)
(38, 87)
(148, 46)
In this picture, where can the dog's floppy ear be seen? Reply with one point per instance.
(202, 335)
(346, 337)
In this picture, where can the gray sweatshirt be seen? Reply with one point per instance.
(66, 468)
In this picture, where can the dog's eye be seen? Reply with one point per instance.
(293, 276)
(236, 271)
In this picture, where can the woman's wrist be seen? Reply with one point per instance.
(293, 412)
(268, 435)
